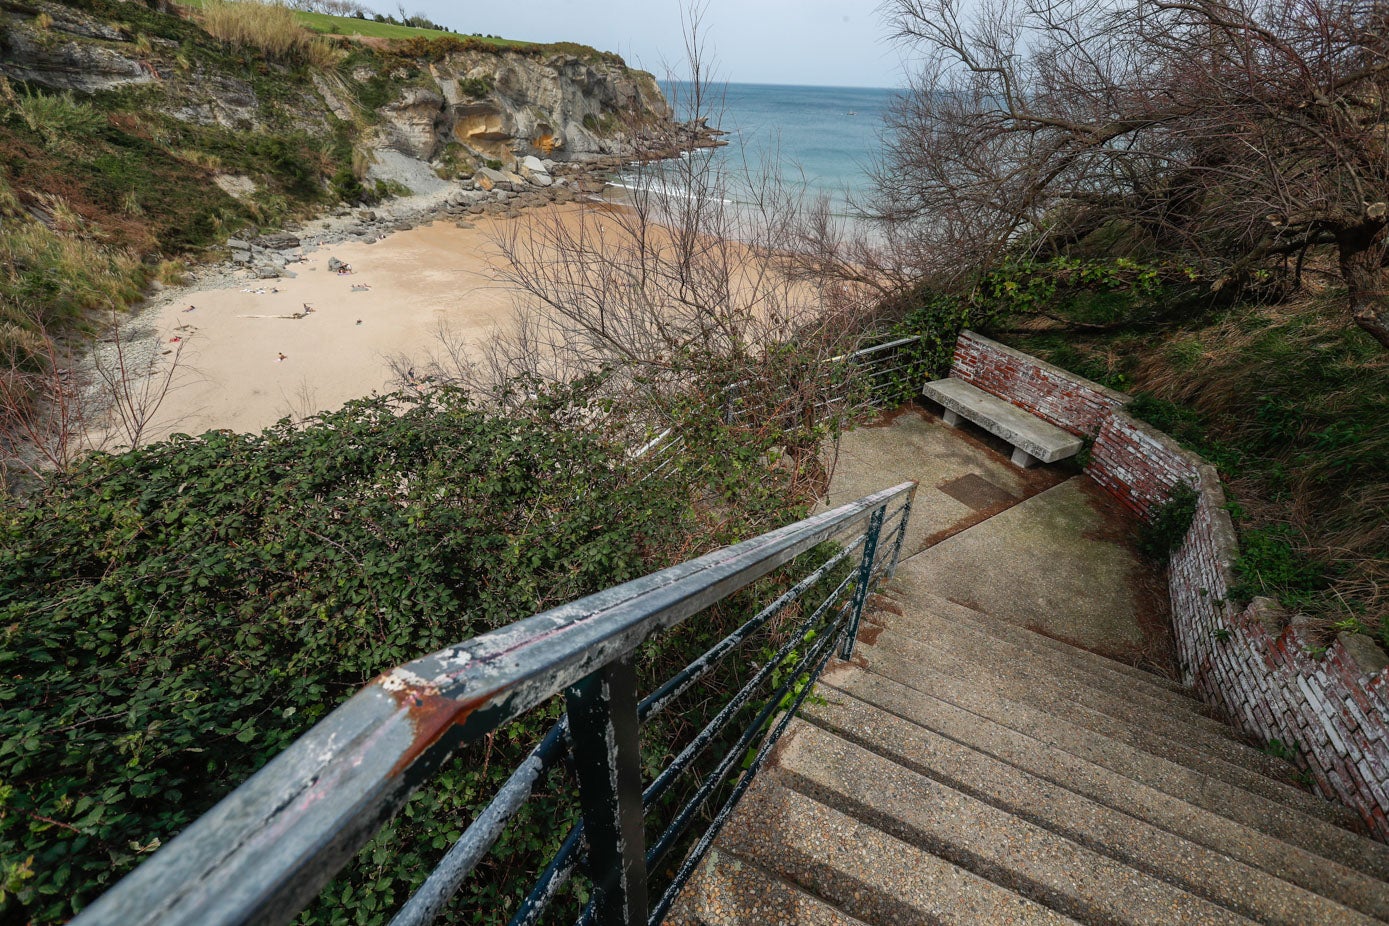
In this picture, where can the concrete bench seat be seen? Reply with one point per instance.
(1033, 439)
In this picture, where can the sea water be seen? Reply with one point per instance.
(823, 139)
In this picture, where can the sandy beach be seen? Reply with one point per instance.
(246, 361)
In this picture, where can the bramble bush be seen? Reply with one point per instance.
(175, 616)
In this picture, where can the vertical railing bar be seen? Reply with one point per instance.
(870, 549)
(901, 533)
(606, 746)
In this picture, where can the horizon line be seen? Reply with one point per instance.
(771, 83)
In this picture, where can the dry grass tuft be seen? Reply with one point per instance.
(270, 27)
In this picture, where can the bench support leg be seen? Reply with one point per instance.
(1023, 458)
(951, 418)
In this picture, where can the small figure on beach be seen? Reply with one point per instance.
(308, 309)
(175, 340)
(359, 321)
(361, 288)
(281, 358)
(190, 308)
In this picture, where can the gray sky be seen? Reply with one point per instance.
(822, 42)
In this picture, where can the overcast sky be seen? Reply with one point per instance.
(836, 43)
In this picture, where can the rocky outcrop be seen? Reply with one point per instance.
(413, 123)
(498, 105)
(64, 49)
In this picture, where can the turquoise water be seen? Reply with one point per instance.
(824, 136)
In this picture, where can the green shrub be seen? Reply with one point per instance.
(62, 122)
(1165, 530)
(175, 616)
(1273, 561)
(475, 87)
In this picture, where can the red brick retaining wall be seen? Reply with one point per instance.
(1264, 678)
(1070, 402)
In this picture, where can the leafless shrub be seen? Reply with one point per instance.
(1235, 133)
(54, 407)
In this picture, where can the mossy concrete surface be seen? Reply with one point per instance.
(1060, 563)
(1043, 548)
(962, 478)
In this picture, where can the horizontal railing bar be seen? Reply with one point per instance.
(552, 880)
(686, 813)
(266, 850)
(713, 727)
(865, 351)
(680, 683)
(701, 848)
(426, 903)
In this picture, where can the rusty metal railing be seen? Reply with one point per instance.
(268, 849)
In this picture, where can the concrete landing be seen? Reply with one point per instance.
(1042, 548)
(1060, 563)
(962, 479)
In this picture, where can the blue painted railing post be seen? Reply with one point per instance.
(604, 736)
(865, 577)
(901, 535)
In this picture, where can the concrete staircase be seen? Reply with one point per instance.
(966, 770)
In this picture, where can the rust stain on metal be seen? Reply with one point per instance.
(431, 715)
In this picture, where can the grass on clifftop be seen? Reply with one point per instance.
(369, 28)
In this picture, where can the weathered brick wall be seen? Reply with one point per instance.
(1070, 402)
(1138, 464)
(1261, 676)
(1265, 679)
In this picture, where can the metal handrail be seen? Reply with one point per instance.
(729, 397)
(265, 851)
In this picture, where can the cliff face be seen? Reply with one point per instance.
(553, 106)
(426, 100)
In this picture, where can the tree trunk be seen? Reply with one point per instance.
(1362, 253)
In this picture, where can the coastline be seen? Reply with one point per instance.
(250, 354)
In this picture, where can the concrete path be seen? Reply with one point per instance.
(1041, 548)
(963, 478)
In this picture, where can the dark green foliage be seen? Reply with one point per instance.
(1274, 561)
(1159, 538)
(937, 320)
(176, 616)
(475, 87)
(1092, 292)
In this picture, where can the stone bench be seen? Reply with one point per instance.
(1033, 439)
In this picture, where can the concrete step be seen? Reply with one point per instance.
(903, 591)
(910, 661)
(936, 626)
(1015, 649)
(728, 891)
(907, 587)
(977, 653)
(1127, 839)
(992, 843)
(865, 873)
(1313, 855)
